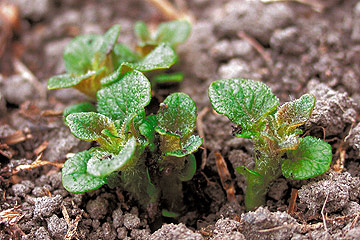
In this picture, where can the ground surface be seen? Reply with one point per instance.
(294, 48)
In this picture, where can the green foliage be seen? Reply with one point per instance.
(94, 61)
(127, 143)
(274, 131)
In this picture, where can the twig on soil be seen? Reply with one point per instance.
(10, 216)
(340, 161)
(28, 75)
(273, 229)
(72, 225)
(225, 177)
(52, 113)
(41, 148)
(322, 213)
(169, 11)
(356, 219)
(292, 203)
(255, 44)
(200, 128)
(314, 4)
(14, 138)
(37, 163)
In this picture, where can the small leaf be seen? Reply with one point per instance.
(189, 170)
(169, 214)
(89, 126)
(310, 159)
(123, 54)
(74, 176)
(129, 95)
(177, 115)
(151, 189)
(103, 163)
(142, 31)
(297, 112)
(163, 56)
(108, 42)
(165, 78)
(251, 176)
(173, 33)
(79, 53)
(77, 108)
(244, 102)
(68, 80)
(147, 129)
(191, 145)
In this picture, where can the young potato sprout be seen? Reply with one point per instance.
(278, 148)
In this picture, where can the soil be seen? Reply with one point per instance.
(293, 47)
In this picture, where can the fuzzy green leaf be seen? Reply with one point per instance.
(189, 170)
(103, 163)
(165, 78)
(191, 145)
(108, 42)
(75, 177)
(123, 54)
(129, 95)
(177, 115)
(310, 159)
(297, 112)
(245, 102)
(147, 129)
(163, 56)
(78, 108)
(142, 31)
(79, 53)
(89, 126)
(173, 33)
(68, 80)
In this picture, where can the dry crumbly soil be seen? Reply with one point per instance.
(294, 48)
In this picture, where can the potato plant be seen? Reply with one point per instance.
(273, 129)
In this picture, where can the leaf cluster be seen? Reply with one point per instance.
(273, 129)
(93, 61)
(145, 155)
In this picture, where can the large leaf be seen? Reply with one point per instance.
(75, 177)
(177, 115)
(191, 145)
(162, 57)
(79, 53)
(68, 80)
(103, 163)
(245, 102)
(129, 95)
(310, 159)
(89, 126)
(297, 112)
(173, 33)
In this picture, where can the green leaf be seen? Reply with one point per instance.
(297, 112)
(151, 189)
(129, 95)
(251, 176)
(142, 31)
(68, 80)
(189, 170)
(107, 44)
(165, 78)
(147, 129)
(78, 108)
(177, 115)
(169, 214)
(89, 126)
(310, 159)
(103, 163)
(191, 145)
(162, 57)
(79, 53)
(75, 177)
(244, 102)
(123, 54)
(174, 32)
